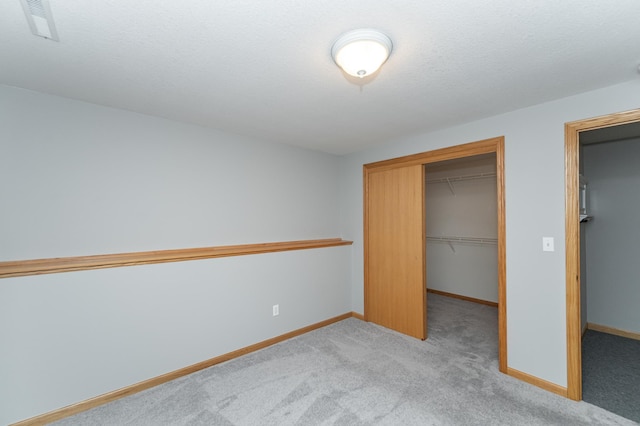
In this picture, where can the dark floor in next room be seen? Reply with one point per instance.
(611, 373)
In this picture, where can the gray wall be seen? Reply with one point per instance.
(534, 175)
(470, 211)
(80, 179)
(612, 249)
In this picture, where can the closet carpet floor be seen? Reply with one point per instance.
(611, 373)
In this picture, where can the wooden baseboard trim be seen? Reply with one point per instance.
(585, 328)
(467, 298)
(88, 404)
(612, 330)
(21, 268)
(536, 381)
(357, 316)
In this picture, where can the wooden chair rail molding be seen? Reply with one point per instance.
(80, 263)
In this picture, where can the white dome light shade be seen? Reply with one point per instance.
(361, 52)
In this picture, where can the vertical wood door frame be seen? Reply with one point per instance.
(487, 146)
(572, 238)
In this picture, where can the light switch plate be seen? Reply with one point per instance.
(547, 244)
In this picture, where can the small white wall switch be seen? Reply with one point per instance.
(547, 244)
(276, 310)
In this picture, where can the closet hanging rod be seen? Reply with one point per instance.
(462, 178)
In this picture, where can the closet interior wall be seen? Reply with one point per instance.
(611, 237)
(461, 227)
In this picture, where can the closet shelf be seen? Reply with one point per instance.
(462, 240)
(473, 240)
(451, 179)
(585, 218)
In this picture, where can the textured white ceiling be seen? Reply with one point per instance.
(264, 68)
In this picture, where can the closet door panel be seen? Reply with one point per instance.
(395, 293)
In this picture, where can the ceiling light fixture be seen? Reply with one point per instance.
(40, 19)
(361, 52)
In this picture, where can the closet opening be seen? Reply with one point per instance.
(609, 165)
(605, 175)
(397, 237)
(462, 251)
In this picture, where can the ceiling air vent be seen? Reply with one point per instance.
(40, 19)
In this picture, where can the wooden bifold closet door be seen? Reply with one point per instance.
(395, 274)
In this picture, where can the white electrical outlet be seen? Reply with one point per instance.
(547, 244)
(276, 310)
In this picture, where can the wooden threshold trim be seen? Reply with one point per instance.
(21, 268)
(611, 330)
(536, 381)
(88, 404)
(467, 298)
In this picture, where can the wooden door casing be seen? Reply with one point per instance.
(372, 273)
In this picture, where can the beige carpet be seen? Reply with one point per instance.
(356, 373)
